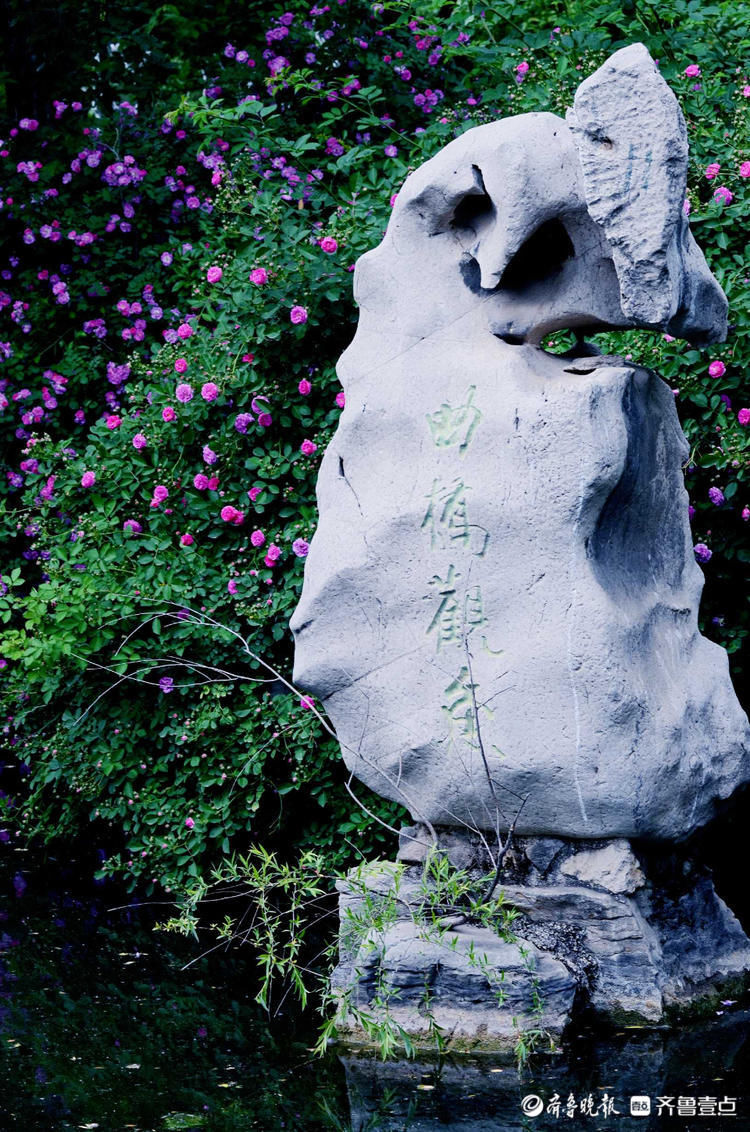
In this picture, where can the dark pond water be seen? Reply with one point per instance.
(101, 1027)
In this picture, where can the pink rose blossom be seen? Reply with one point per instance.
(265, 420)
(132, 526)
(187, 540)
(273, 552)
(253, 493)
(139, 441)
(341, 399)
(522, 68)
(213, 483)
(88, 479)
(189, 823)
(328, 245)
(184, 330)
(306, 702)
(160, 493)
(113, 422)
(298, 315)
(307, 447)
(200, 482)
(304, 387)
(693, 71)
(744, 416)
(181, 365)
(168, 413)
(184, 393)
(712, 170)
(257, 538)
(717, 369)
(722, 195)
(214, 274)
(745, 169)
(209, 391)
(231, 515)
(232, 586)
(259, 276)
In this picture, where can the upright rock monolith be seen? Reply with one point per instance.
(500, 603)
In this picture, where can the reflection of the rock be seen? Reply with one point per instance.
(703, 1072)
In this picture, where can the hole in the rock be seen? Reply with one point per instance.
(341, 467)
(539, 258)
(511, 339)
(474, 206)
(562, 341)
(469, 210)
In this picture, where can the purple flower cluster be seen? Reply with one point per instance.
(123, 173)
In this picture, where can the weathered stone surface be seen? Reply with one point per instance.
(539, 537)
(467, 981)
(541, 851)
(413, 844)
(631, 957)
(504, 539)
(613, 867)
(632, 144)
(624, 947)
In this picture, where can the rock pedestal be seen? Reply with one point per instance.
(635, 939)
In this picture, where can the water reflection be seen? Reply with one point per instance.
(693, 1078)
(101, 1027)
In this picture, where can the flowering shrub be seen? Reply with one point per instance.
(175, 292)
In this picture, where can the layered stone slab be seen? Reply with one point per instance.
(632, 938)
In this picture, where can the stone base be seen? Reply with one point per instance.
(637, 939)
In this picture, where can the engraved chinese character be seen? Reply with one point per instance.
(665, 1104)
(446, 514)
(451, 425)
(447, 520)
(447, 620)
(686, 1106)
(454, 619)
(459, 707)
(570, 1107)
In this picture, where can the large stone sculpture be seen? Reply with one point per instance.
(500, 602)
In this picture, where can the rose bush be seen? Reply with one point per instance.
(175, 291)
